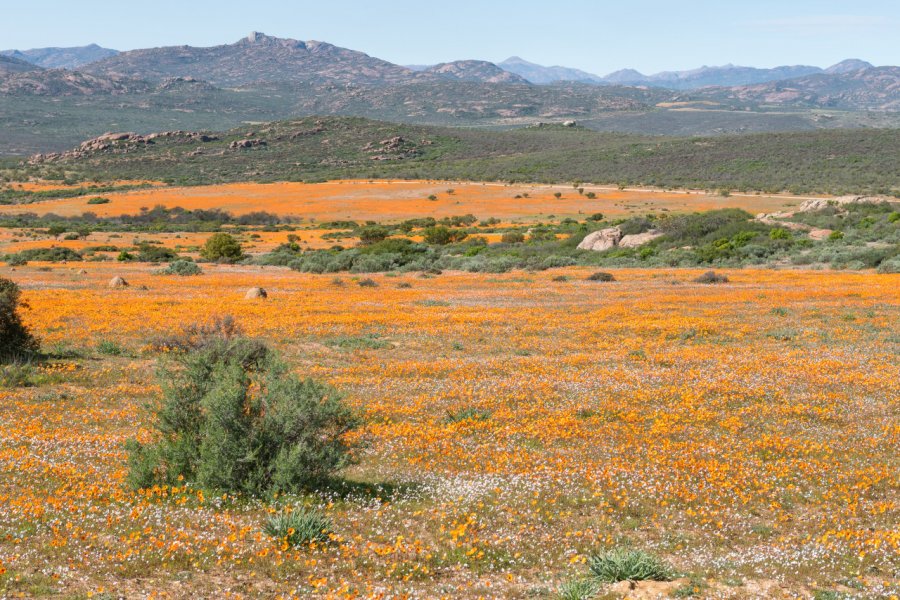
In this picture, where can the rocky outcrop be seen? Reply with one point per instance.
(246, 144)
(639, 239)
(602, 240)
(607, 239)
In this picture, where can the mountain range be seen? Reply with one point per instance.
(261, 78)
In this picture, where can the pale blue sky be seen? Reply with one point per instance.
(594, 35)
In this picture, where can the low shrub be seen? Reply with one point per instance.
(222, 247)
(512, 237)
(628, 565)
(711, 277)
(299, 526)
(578, 589)
(601, 276)
(367, 283)
(183, 268)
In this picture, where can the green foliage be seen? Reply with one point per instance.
(467, 414)
(512, 237)
(441, 235)
(46, 255)
(628, 565)
(98, 201)
(234, 418)
(222, 247)
(372, 234)
(299, 526)
(184, 268)
(578, 589)
(16, 341)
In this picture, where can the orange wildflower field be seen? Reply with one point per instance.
(747, 433)
(398, 200)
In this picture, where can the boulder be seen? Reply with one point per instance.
(639, 239)
(601, 240)
(117, 283)
(256, 293)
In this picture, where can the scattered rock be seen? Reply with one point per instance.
(256, 293)
(601, 240)
(820, 234)
(117, 283)
(246, 144)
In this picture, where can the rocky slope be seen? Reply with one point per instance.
(10, 65)
(256, 58)
(474, 70)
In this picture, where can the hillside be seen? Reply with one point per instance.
(841, 161)
(10, 65)
(257, 57)
(474, 70)
(875, 88)
(62, 58)
(61, 82)
(724, 76)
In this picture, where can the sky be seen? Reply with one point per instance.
(598, 36)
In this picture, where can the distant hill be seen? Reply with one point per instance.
(62, 58)
(256, 58)
(542, 75)
(694, 79)
(725, 76)
(474, 70)
(10, 65)
(876, 88)
(848, 66)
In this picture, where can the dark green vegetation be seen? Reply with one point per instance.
(233, 418)
(726, 238)
(221, 247)
(15, 340)
(316, 149)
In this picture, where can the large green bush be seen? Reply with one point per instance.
(221, 247)
(233, 418)
(15, 339)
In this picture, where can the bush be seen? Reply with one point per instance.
(299, 526)
(512, 237)
(372, 234)
(711, 277)
(601, 276)
(628, 565)
(367, 283)
(184, 268)
(221, 247)
(234, 418)
(441, 235)
(15, 339)
(98, 201)
(578, 589)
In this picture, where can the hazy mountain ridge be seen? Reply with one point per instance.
(475, 70)
(62, 58)
(10, 65)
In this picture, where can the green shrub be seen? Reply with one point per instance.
(110, 348)
(47, 255)
(184, 268)
(367, 283)
(221, 247)
(628, 565)
(442, 236)
(15, 339)
(512, 237)
(578, 589)
(299, 526)
(233, 418)
(98, 201)
(372, 234)
(155, 254)
(601, 276)
(467, 414)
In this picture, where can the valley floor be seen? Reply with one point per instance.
(745, 432)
